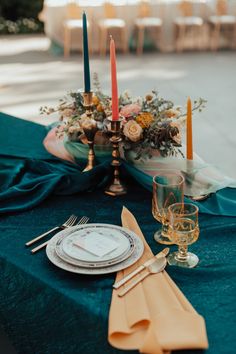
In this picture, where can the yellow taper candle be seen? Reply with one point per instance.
(189, 133)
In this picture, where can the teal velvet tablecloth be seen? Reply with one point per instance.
(45, 310)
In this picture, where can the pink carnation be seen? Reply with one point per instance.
(130, 110)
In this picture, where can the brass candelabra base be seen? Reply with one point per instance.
(116, 187)
(91, 162)
(89, 127)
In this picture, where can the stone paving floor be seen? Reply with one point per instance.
(31, 76)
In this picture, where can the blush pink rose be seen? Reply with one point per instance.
(130, 110)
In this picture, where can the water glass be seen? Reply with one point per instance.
(168, 188)
(183, 231)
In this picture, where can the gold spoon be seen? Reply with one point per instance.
(154, 268)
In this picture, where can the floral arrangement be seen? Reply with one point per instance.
(149, 123)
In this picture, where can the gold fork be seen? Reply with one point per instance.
(83, 220)
(70, 222)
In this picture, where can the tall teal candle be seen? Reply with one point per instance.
(86, 55)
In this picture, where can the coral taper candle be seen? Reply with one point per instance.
(189, 134)
(86, 55)
(114, 90)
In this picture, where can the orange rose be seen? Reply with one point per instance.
(95, 100)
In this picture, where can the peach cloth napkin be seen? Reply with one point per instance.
(154, 317)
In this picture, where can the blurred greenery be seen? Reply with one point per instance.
(15, 9)
(20, 16)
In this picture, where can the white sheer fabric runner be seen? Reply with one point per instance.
(200, 177)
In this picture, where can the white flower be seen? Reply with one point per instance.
(72, 130)
(88, 123)
(133, 131)
(172, 113)
(68, 112)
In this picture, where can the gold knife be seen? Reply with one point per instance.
(156, 267)
(163, 253)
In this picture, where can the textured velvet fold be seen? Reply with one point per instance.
(28, 174)
(26, 183)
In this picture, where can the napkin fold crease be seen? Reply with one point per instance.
(154, 317)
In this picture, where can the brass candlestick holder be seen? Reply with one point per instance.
(90, 128)
(116, 187)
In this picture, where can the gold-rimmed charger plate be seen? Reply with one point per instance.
(72, 254)
(60, 263)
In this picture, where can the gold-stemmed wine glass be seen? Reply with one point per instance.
(168, 188)
(183, 231)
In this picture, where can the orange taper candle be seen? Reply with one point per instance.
(114, 90)
(189, 134)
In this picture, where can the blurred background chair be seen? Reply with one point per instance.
(223, 23)
(146, 22)
(72, 22)
(112, 24)
(187, 25)
(41, 14)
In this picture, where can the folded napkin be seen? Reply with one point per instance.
(154, 317)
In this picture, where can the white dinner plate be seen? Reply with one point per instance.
(59, 262)
(79, 233)
(75, 255)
